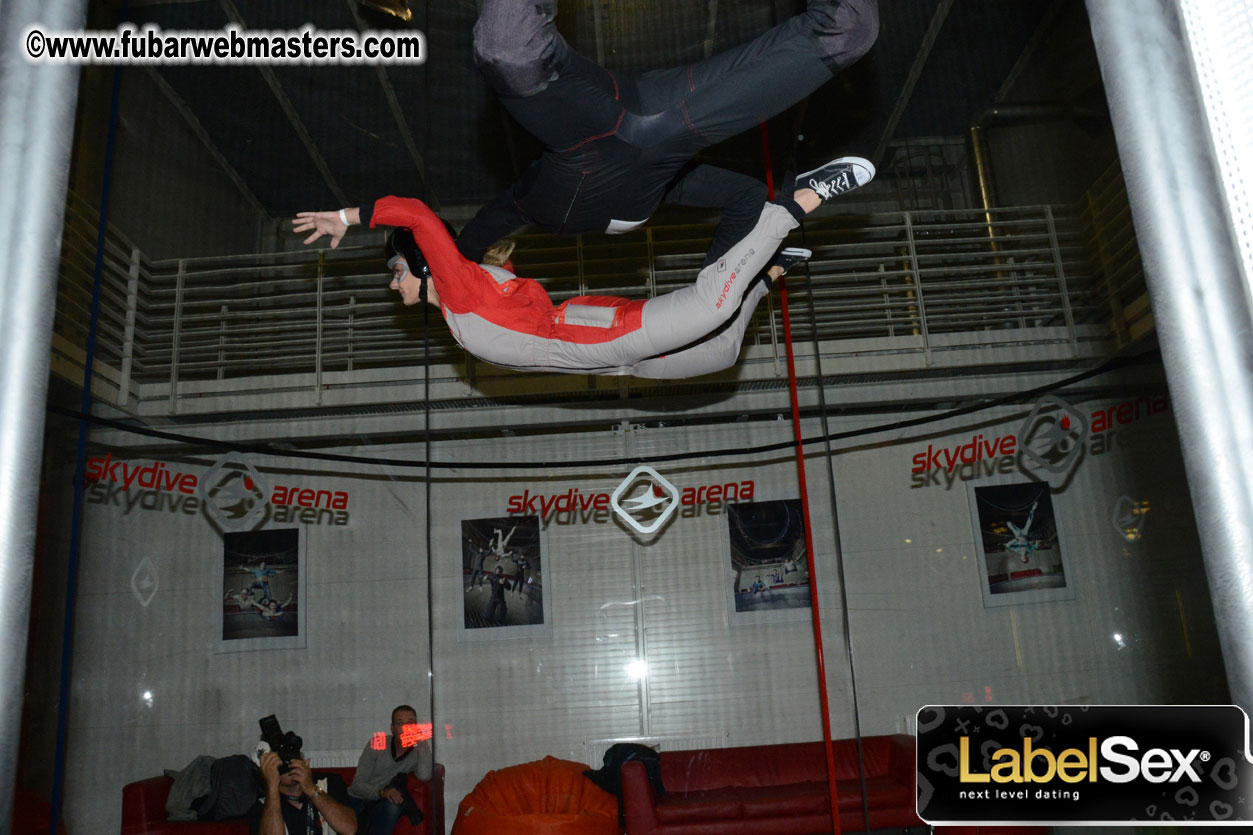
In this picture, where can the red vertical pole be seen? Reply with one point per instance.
(809, 536)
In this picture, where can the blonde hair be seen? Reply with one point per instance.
(498, 253)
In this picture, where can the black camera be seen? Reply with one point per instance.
(286, 745)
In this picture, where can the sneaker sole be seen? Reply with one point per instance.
(793, 256)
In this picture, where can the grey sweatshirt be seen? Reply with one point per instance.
(375, 769)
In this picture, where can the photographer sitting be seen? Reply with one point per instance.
(378, 793)
(301, 802)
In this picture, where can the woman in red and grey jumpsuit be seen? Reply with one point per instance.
(511, 322)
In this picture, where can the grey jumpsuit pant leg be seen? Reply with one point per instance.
(714, 354)
(677, 319)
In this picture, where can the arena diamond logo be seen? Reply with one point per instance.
(145, 581)
(656, 502)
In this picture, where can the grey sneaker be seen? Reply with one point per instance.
(839, 176)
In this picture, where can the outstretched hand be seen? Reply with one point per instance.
(321, 223)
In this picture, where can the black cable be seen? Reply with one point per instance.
(426, 421)
(266, 449)
(835, 539)
(59, 755)
(426, 411)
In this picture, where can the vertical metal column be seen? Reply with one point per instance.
(627, 450)
(917, 271)
(36, 122)
(317, 350)
(1200, 304)
(1060, 272)
(176, 335)
(128, 332)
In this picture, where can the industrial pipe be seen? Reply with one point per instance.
(1201, 305)
(36, 116)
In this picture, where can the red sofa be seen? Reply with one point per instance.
(143, 808)
(773, 789)
(32, 814)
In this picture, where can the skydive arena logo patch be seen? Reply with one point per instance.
(730, 282)
(645, 500)
(1068, 764)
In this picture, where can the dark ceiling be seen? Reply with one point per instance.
(322, 136)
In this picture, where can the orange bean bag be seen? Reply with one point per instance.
(549, 796)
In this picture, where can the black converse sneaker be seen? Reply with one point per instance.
(837, 177)
(789, 257)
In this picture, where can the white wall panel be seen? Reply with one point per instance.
(918, 622)
(757, 681)
(918, 627)
(514, 700)
(365, 642)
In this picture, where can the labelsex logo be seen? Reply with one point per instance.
(1083, 764)
(658, 500)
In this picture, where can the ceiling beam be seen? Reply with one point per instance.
(398, 114)
(198, 130)
(911, 80)
(140, 3)
(711, 28)
(1028, 52)
(600, 41)
(780, 10)
(289, 111)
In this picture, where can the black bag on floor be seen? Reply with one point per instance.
(609, 776)
(234, 787)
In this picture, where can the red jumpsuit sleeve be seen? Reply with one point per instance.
(460, 283)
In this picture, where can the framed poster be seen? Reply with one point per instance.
(263, 583)
(502, 580)
(1018, 543)
(767, 563)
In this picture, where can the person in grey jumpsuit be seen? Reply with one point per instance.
(511, 322)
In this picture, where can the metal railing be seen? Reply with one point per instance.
(123, 301)
(907, 282)
(1105, 218)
